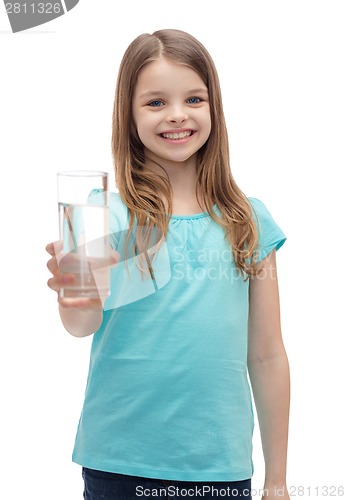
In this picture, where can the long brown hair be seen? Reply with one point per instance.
(143, 191)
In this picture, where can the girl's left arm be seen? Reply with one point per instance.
(269, 375)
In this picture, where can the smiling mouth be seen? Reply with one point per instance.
(177, 136)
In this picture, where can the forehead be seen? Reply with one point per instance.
(163, 74)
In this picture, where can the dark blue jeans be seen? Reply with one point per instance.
(100, 485)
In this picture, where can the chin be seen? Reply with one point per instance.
(178, 158)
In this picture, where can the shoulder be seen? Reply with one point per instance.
(116, 202)
(118, 212)
(117, 207)
(262, 214)
(258, 207)
(254, 201)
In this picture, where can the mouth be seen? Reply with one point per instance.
(177, 136)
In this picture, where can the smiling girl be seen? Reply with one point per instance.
(168, 403)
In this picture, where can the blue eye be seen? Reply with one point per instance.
(194, 100)
(155, 103)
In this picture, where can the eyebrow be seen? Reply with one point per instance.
(159, 92)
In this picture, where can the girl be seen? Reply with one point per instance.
(194, 304)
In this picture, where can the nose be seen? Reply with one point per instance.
(177, 114)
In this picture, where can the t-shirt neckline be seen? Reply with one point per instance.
(192, 216)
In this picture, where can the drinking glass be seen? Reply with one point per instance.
(83, 200)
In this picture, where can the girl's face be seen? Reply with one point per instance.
(171, 111)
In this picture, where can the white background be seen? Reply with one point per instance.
(282, 71)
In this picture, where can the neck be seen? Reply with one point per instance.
(182, 177)
(176, 170)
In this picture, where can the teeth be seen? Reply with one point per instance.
(181, 135)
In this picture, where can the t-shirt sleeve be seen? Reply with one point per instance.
(270, 235)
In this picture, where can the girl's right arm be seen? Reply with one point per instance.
(80, 316)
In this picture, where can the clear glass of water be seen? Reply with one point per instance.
(83, 200)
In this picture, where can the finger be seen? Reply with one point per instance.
(57, 283)
(80, 303)
(54, 247)
(53, 285)
(52, 266)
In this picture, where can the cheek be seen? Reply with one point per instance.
(205, 121)
(207, 125)
(144, 131)
(140, 117)
(147, 130)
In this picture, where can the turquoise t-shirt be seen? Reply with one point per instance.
(167, 394)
